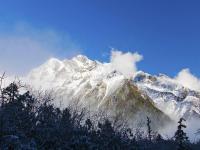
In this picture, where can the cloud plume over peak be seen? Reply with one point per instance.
(187, 79)
(23, 47)
(125, 62)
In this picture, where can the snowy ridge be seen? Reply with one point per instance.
(169, 96)
(76, 76)
(99, 86)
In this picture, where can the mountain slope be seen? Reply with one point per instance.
(169, 96)
(99, 87)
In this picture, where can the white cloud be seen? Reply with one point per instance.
(23, 47)
(187, 79)
(125, 62)
(191, 130)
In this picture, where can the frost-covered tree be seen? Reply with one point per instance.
(180, 136)
(30, 122)
(17, 118)
(149, 130)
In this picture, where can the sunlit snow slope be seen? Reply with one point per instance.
(99, 86)
(169, 96)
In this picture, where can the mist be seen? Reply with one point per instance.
(23, 47)
(187, 79)
(126, 63)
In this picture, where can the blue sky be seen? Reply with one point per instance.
(166, 33)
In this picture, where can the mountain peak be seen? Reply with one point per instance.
(81, 58)
(83, 62)
(53, 60)
(84, 79)
(52, 63)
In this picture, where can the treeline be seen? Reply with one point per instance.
(28, 122)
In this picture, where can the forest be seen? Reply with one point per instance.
(30, 122)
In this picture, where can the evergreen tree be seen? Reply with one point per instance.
(180, 136)
(88, 124)
(159, 138)
(10, 93)
(27, 124)
(149, 131)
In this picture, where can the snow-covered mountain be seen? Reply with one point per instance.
(169, 96)
(99, 86)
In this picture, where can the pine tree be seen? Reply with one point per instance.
(159, 138)
(149, 131)
(180, 136)
(88, 124)
(10, 93)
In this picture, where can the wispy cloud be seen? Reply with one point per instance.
(23, 47)
(125, 62)
(187, 79)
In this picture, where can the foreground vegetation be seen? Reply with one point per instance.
(29, 122)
